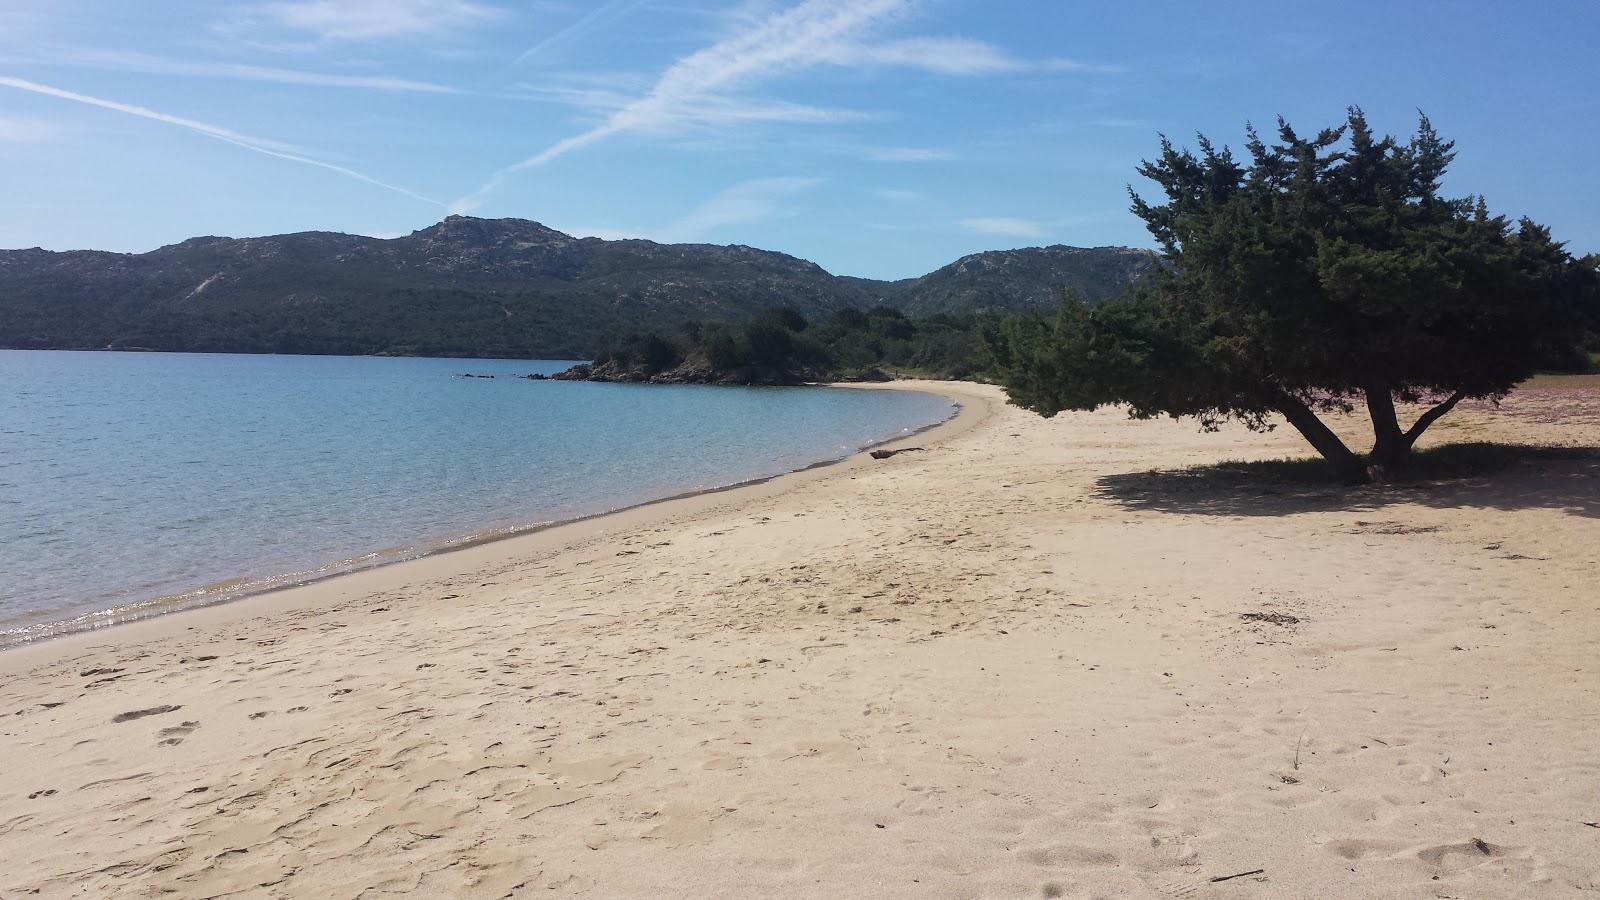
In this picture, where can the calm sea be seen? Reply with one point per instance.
(136, 483)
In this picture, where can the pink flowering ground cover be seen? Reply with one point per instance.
(1572, 401)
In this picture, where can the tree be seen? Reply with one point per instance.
(651, 352)
(722, 348)
(770, 344)
(1319, 273)
(849, 319)
(788, 317)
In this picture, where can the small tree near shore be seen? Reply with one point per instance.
(1319, 273)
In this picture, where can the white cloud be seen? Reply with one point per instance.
(357, 20)
(746, 203)
(951, 56)
(695, 89)
(257, 145)
(1001, 225)
(124, 61)
(907, 154)
(694, 112)
(26, 131)
(752, 201)
(1072, 65)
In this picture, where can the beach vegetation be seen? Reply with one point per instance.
(1311, 275)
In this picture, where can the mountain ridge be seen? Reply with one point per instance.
(467, 286)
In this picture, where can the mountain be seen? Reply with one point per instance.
(470, 287)
(1006, 281)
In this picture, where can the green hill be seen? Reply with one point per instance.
(475, 287)
(1002, 281)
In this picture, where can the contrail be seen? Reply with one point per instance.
(126, 61)
(259, 145)
(615, 7)
(804, 35)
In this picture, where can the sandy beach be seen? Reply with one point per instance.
(1039, 658)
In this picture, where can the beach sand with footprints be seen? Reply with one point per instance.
(1045, 658)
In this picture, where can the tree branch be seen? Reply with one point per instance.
(1432, 416)
(1319, 436)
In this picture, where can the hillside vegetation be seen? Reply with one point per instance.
(780, 346)
(478, 287)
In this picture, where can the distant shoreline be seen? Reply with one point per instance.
(147, 350)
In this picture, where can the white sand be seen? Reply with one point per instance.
(1009, 666)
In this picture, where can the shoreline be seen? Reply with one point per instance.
(1067, 657)
(970, 409)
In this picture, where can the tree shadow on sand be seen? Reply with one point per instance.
(1454, 476)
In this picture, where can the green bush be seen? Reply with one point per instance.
(781, 344)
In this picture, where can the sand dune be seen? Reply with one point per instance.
(1020, 664)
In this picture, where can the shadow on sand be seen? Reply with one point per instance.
(1454, 476)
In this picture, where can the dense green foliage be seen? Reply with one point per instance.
(780, 346)
(1321, 272)
(938, 346)
(473, 287)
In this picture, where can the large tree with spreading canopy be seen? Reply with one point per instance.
(1318, 274)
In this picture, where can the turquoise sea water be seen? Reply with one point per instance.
(133, 483)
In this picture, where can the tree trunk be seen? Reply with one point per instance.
(1346, 464)
(1391, 449)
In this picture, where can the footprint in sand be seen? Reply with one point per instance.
(1460, 856)
(141, 713)
(682, 825)
(1069, 855)
(1358, 848)
(174, 735)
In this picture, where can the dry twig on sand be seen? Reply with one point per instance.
(1238, 875)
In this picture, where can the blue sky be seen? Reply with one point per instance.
(881, 138)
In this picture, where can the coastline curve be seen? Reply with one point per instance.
(302, 591)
